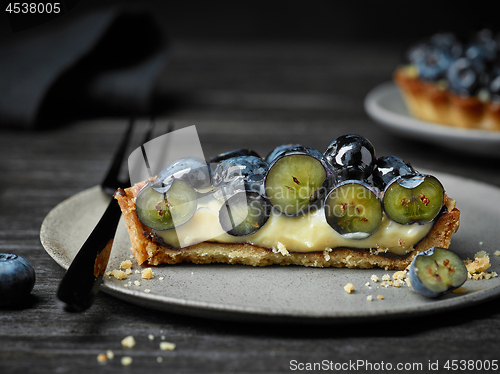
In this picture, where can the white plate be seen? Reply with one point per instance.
(385, 105)
(274, 293)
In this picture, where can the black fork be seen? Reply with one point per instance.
(80, 284)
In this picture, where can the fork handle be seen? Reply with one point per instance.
(81, 282)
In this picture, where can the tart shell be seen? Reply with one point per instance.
(430, 102)
(148, 252)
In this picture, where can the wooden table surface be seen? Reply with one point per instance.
(245, 94)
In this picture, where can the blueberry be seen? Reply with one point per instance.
(353, 209)
(448, 42)
(248, 170)
(463, 78)
(280, 149)
(167, 210)
(192, 170)
(244, 213)
(297, 180)
(351, 156)
(481, 55)
(17, 278)
(433, 63)
(234, 153)
(436, 272)
(414, 52)
(494, 84)
(389, 167)
(413, 198)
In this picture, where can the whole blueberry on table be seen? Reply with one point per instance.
(17, 278)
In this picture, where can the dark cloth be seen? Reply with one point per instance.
(104, 62)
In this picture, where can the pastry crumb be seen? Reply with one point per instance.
(166, 346)
(110, 354)
(151, 337)
(126, 361)
(128, 271)
(127, 264)
(497, 253)
(137, 283)
(386, 277)
(349, 288)
(162, 278)
(369, 298)
(102, 358)
(159, 359)
(367, 284)
(380, 297)
(477, 268)
(147, 290)
(118, 274)
(147, 273)
(461, 289)
(399, 275)
(128, 342)
(374, 278)
(397, 283)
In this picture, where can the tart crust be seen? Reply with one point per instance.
(430, 102)
(147, 252)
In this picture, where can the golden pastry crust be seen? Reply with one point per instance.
(150, 253)
(433, 103)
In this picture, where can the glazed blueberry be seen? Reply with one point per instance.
(433, 63)
(248, 170)
(389, 167)
(194, 171)
(234, 153)
(297, 180)
(17, 279)
(436, 272)
(351, 156)
(463, 78)
(280, 149)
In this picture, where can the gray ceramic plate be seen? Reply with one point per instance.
(289, 293)
(385, 105)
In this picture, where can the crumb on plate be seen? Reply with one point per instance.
(349, 288)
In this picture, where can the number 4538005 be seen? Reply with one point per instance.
(33, 8)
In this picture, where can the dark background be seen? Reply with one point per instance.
(319, 20)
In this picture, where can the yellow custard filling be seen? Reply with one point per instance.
(307, 233)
